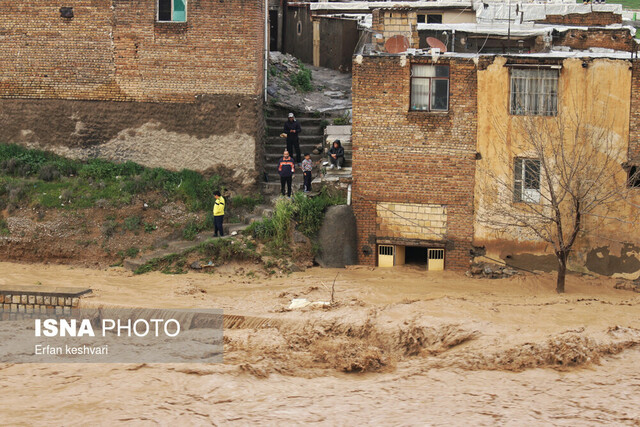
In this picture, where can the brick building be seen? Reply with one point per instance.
(433, 132)
(176, 84)
(413, 169)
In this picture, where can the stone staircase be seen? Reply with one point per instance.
(311, 136)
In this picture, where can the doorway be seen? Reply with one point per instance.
(416, 255)
(273, 30)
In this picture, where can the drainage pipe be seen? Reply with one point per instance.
(349, 195)
(266, 46)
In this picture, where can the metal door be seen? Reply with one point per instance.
(436, 259)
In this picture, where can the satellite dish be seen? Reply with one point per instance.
(397, 44)
(437, 44)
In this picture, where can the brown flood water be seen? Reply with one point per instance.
(446, 350)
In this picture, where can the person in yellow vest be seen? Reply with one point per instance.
(218, 214)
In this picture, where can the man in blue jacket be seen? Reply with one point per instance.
(286, 168)
(292, 129)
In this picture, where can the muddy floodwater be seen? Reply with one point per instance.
(397, 347)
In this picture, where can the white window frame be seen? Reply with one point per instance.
(534, 91)
(172, 11)
(431, 80)
(523, 192)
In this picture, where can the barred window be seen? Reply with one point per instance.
(526, 184)
(172, 10)
(534, 92)
(429, 88)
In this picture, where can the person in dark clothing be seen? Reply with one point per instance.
(286, 169)
(292, 129)
(336, 155)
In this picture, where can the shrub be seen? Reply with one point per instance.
(302, 79)
(109, 227)
(261, 230)
(132, 223)
(282, 216)
(49, 172)
(4, 228)
(190, 230)
(132, 252)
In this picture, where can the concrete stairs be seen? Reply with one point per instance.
(311, 136)
(168, 247)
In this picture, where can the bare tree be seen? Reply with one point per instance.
(563, 175)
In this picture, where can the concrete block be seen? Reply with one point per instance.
(31, 299)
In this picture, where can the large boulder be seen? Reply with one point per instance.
(337, 238)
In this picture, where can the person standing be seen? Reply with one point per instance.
(307, 167)
(286, 169)
(292, 129)
(218, 214)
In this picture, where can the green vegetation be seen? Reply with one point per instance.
(132, 223)
(302, 79)
(219, 249)
(41, 179)
(4, 228)
(132, 252)
(191, 230)
(306, 211)
(247, 203)
(343, 120)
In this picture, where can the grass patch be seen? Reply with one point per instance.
(308, 212)
(4, 228)
(39, 178)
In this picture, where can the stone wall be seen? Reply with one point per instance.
(199, 80)
(413, 157)
(33, 300)
(584, 19)
(609, 38)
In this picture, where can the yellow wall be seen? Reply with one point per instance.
(604, 88)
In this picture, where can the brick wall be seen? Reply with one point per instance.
(634, 115)
(618, 39)
(114, 83)
(115, 50)
(585, 19)
(413, 157)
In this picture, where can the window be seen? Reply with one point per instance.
(434, 19)
(526, 184)
(421, 19)
(634, 177)
(534, 92)
(172, 10)
(429, 88)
